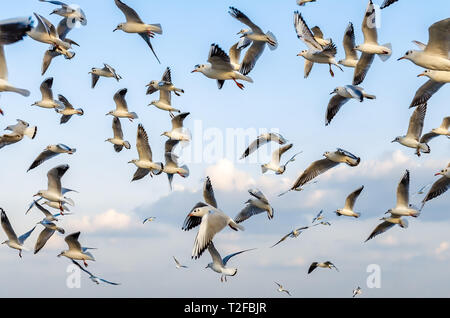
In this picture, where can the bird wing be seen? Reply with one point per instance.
(119, 99)
(282, 239)
(129, 13)
(216, 258)
(439, 187)
(235, 13)
(259, 195)
(261, 140)
(192, 221)
(362, 67)
(46, 89)
(211, 223)
(439, 38)
(140, 173)
(227, 258)
(167, 77)
(308, 67)
(6, 225)
(381, 228)
(416, 122)
(350, 200)
(425, 92)
(146, 38)
(117, 128)
(3, 67)
(42, 209)
(334, 105)
(317, 32)
(208, 193)
(95, 78)
(142, 144)
(304, 33)
(445, 123)
(64, 100)
(43, 156)
(251, 56)
(43, 237)
(219, 59)
(54, 177)
(276, 155)
(349, 42)
(316, 168)
(72, 241)
(387, 3)
(368, 25)
(427, 137)
(312, 267)
(24, 236)
(177, 121)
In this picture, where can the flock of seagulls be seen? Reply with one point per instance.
(207, 216)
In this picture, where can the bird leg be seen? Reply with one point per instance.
(181, 175)
(241, 86)
(130, 119)
(20, 253)
(1, 112)
(178, 94)
(418, 151)
(61, 208)
(221, 278)
(150, 34)
(85, 264)
(331, 71)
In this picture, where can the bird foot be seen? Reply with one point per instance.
(241, 86)
(85, 264)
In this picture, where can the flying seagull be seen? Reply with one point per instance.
(171, 167)
(134, 24)
(178, 132)
(178, 264)
(106, 71)
(72, 12)
(50, 152)
(326, 264)
(293, 234)
(442, 130)
(47, 100)
(262, 140)
(274, 164)
(149, 219)
(121, 110)
(281, 289)
(18, 131)
(427, 90)
(13, 241)
(440, 186)
(164, 84)
(253, 207)
(118, 140)
(75, 251)
(68, 111)
(349, 203)
(92, 277)
(46, 233)
(357, 291)
(351, 55)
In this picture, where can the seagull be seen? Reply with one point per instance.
(210, 218)
(134, 24)
(5, 86)
(46, 233)
(318, 217)
(50, 152)
(322, 223)
(442, 130)
(47, 100)
(351, 55)
(294, 234)
(118, 141)
(92, 277)
(164, 84)
(412, 137)
(440, 186)
(121, 110)
(13, 241)
(258, 38)
(149, 219)
(402, 208)
(72, 12)
(303, 2)
(316, 53)
(235, 52)
(262, 140)
(436, 81)
(164, 102)
(178, 132)
(68, 111)
(343, 95)
(219, 67)
(253, 207)
(49, 217)
(46, 32)
(14, 30)
(144, 164)
(178, 264)
(55, 205)
(171, 167)
(54, 193)
(106, 71)
(326, 264)
(19, 130)
(274, 164)
(75, 251)
(63, 28)
(219, 265)
(332, 159)
(349, 203)
(370, 47)
(281, 289)
(357, 291)
(435, 54)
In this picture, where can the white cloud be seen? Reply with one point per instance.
(109, 220)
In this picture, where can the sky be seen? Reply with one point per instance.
(109, 209)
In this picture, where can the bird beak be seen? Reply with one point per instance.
(115, 30)
(298, 54)
(437, 174)
(130, 161)
(332, 93)
(393, 140)
(421, 74)
(402, 58)
(35, 194)
(194, 71)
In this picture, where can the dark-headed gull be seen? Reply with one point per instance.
(349, 204)
(219, 265)
(164, 84)
(106, 71)
(134, 24)
(326, 264)
(351, 55)
(75, 251)
(68, 110)
(219, 67)
(211, 221)
(412, 138)
(165, 102)
(440, 186)
(342, 95)
(121, 110)
(47, 100)
(13, 241)
(435, 54)
(253, 207)
(50, 152)
(118, 140)
(144, 164)
(178, 132)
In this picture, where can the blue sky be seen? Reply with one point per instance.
(109, 208)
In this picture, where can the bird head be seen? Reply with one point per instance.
(198, 68)
(118, 27)
(302, 53)
(424, 73)
(397, 139)
(407, 55)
